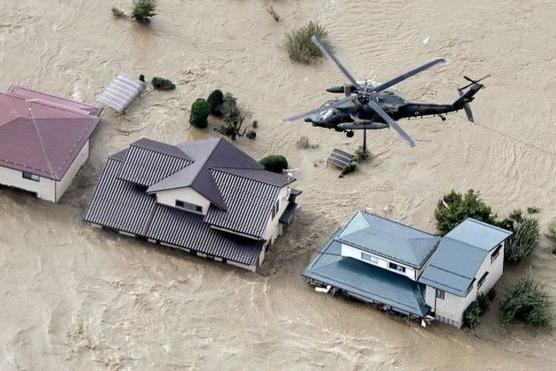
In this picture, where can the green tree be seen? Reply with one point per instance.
(143, 10)
(524, 240)
(299, 45)
(527, 301)
(274, 163)
(199, 112)
(215, 100)
(455, 207)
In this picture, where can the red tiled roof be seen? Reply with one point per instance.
(42, 137)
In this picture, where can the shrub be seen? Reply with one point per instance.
(524, 240)
(215, 100)
(455, 207)
(491, 294)
(472, 315)
(362, 154)
(116, 12)
(483, 301)
(527, 301)
(350, 168)
(233, 116)
(162, 84)
(552, 234)
(143, 10)
(303, 143)
(299, 45)
(199, 112)
(274, 163)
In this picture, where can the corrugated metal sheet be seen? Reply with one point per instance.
(389, 239)
(121, 92)
(145, 166)
(249, 204)
(366, 281)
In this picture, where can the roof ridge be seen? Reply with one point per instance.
(186, 157)
(41, 141)
(244, 177)
(399, 223)
(46, 103)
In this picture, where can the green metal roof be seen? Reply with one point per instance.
(389, 239)
(366, 281)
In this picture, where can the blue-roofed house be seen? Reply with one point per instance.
(409, 271)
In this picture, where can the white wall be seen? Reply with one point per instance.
(453, 306)
(187, 194)
(44, 188)
(273, 227)
(64, 183)
(352, 252)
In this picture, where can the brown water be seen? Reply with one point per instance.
(74, 297)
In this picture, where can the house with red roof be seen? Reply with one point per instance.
(44, 140)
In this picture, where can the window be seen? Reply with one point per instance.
(396, 267)
(369, 258)
(33, 177)
(495, 253)
(440, 294)
(189, 206)
(482, 280)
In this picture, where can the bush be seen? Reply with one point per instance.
(162, 84)
(303, 143)
(527, 301)
(143, 10)
(274, 163)
(215, 100)
(116, 12)
(299, 45)
(472, 315)
(552, 234)
(455, 207)
(350, 168)
(233, 116)
(200, 110)
(524, 240)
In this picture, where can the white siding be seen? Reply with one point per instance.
(452, 307)
(45, 189)
(186, 194)
(63, 185)
(273, 228)
(381, 262)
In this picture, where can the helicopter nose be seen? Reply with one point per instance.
(308, 119)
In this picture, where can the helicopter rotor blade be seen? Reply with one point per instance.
(409, 74)
(328, 53)
(305, 114)
(391, 123)
(467, 108)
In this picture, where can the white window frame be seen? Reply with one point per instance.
(440, 294)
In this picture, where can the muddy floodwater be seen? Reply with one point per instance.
(73, 297)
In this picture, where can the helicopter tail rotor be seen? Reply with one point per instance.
(466, 97)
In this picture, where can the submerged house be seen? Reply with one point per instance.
(205, 197)
(44, 140)
(405, 270)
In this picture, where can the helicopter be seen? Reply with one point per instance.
(367, 106)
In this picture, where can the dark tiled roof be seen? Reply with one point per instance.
(146, 165)
(121, 205)
(260, 175)
(40, 137)
(249, 204)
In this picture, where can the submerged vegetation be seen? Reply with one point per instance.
(524, 240)
(552, 235)
(299, 45)
(160, 83)
(455, 207)
(199, 113)
(215, 100)
(143, 10)
(233, 116)
(527, 301)
(303, 143)
(274, 163)
(473, 313)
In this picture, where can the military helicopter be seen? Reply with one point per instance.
(374, 107)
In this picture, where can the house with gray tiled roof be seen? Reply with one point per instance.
(405, 270)
(206, 197)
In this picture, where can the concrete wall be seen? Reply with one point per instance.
(45, 189)
(451, 308)
(186, 194)
(379, 261)
(63, 185)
